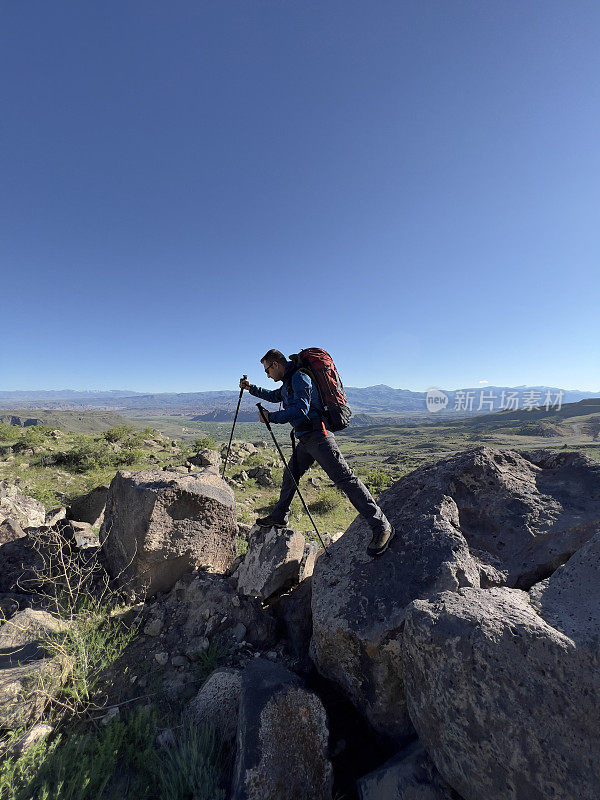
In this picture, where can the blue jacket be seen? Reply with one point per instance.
(301, 402)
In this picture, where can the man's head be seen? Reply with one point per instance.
(274, 363)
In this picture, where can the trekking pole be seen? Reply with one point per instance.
(261, 411)
(244, 377)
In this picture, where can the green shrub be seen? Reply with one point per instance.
(88, 766)
(376, 481)
(88, 453)
(209, 659)
(9, 433)
(128, 456)
(119, 433)
(205, 442)
(32, 436)
(328, 501)
(193, 767)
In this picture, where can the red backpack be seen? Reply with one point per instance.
(321, 369)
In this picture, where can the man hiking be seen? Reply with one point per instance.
(302, 408)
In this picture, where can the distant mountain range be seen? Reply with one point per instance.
(369, 404)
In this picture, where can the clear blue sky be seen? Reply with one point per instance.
(414, 186)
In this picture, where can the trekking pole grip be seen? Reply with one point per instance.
(261, 411)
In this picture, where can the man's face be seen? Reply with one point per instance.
(273, 369)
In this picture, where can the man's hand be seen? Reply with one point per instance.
(244, 383)
(264, 419)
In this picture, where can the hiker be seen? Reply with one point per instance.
(302, 408)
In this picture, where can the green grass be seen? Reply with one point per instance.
(120, 761)
(93, 641)
(211, 658)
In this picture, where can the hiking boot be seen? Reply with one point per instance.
(270, 522)
(380, 541)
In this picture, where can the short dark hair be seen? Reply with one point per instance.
(274, 355)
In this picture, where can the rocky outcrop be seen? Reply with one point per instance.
(238, 451)
(262, 475)
(505, 694)
(282, 738)
(159, 525)
(478, 518)
(206, 458)
(23, 510)
(202, 606)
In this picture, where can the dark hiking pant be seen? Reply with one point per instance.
(315, 446)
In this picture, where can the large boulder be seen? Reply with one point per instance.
(477, 518)
(272, 561)
(293, 613)
(217, 703)
(25, 691)
(89, 507)
(410, 775)
(22, 565)
(22, 637)
(206, 458)
(18, 507)
(505, 693)
(282, 738)
(26, 674)
(9, 531)
(159, 525)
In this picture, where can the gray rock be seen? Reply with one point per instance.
(294, 614)
(472, 519)
(312, 551)
(238, 632)
(160, 525)
(10, 530)
(239, 451)
(22, 636)
(31, 737)
(54, 516)
(196, 647)
(506, 700)
(282, 738)
(162, 659)
(20, 564)
(207, 458)
(411, 775)
(89, 507)
(262, 475)
(25, 691)
(272, 562)
(23, 510)
(165, 738)
(154, 627)
(111, 715)
(217, 703)
(197, 600)
(85, 535)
